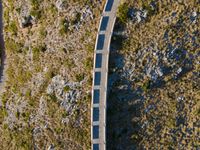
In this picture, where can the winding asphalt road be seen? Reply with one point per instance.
(100, 72)
(100, 75)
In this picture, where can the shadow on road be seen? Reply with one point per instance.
(2, 46)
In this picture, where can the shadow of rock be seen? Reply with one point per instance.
(125, 104)
(120, 113)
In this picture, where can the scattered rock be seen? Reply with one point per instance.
(61, 5)
(51, 147)
(138, 15)
(67, 93)
(14, 111)
(25, 19)
(179, 70)
(193, 17)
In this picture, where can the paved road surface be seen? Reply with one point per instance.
(100, 74)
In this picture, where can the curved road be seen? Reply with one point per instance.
(2, 50)
(100, 75)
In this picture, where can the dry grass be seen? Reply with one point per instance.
(35, 55)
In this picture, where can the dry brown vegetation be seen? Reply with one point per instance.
(30, 118)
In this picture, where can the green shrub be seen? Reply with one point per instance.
(69, 63)
(52, 97)
(13, 28)
(77, 18)
(66, 88)
(5, 126)
(53, 9)
(88, 63)
(3, 114)
(64, 25)
(17, 114)
(26, 115)
(18, 10)
(146, 85)
(11, 4)
(123, 13)
(37, 50)
(28, 93)
(12, 46)
(35, 10)
(90, 48)
(4, 99)
(35, 4)
(36, 13)
(22, 139)
(80, 77)
(6, 15)
(43, 33)
(23, 75)
(36, 53)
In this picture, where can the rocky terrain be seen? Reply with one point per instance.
(154, 79)
(49, 47)
(154, 75)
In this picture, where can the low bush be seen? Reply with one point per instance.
(123, 13)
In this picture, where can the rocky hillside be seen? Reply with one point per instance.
(154, 100)
(49, 47)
